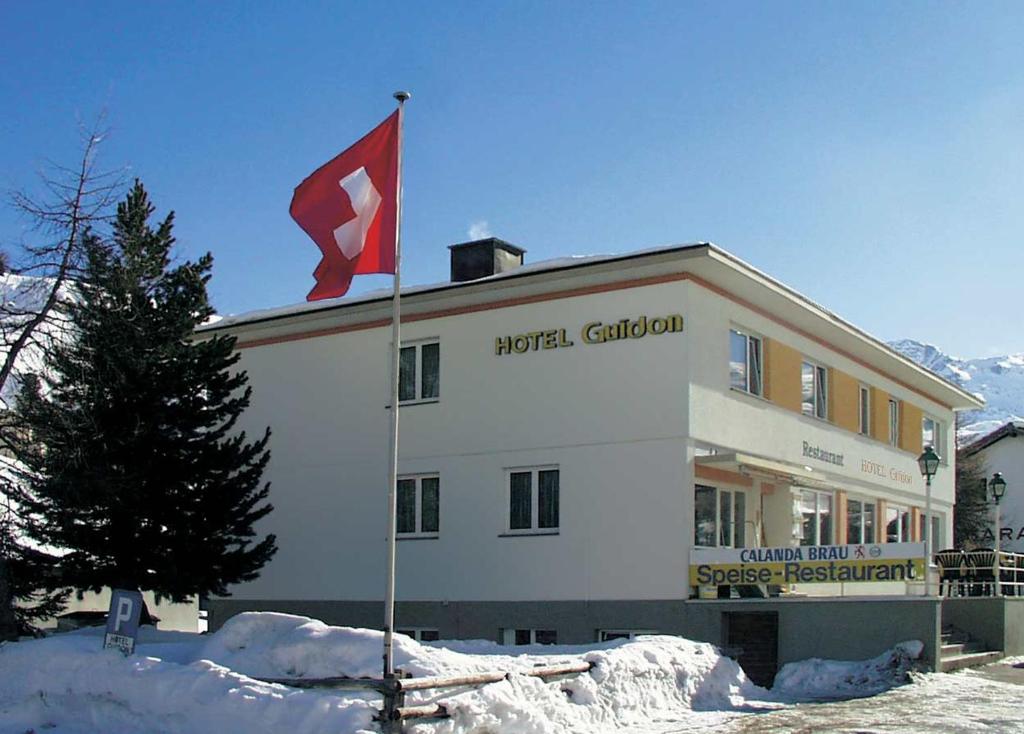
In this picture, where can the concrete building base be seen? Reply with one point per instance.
(848, 628)
(996, 621)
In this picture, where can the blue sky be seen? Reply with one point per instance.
(868, 154)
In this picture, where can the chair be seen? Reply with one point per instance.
(981, 570)
(952, 565)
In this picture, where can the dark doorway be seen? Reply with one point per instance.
(754, 638)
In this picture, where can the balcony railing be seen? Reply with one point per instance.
(982, 572)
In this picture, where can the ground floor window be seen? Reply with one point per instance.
(897, 524)
(936, 530)
(533, 499)
(815, 509)
(529, 637)
(720, 517)
(608, 635)
(420, 634)
(860, 521)
(418, 506)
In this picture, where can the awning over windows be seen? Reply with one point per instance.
(768, 469)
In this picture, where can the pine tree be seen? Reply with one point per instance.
(135, 467)
(971, 514)
(35, 276)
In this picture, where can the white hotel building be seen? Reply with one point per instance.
(569, 431)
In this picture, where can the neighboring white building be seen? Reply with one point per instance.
(570, 430)
(1002, 451)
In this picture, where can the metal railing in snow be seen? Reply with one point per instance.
(393, 690)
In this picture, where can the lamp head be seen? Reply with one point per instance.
(928, 462)
(998, 486)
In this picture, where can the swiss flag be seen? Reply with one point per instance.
(349, 207)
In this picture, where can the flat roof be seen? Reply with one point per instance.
(708, 262)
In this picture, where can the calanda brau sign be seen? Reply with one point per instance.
(811, 564)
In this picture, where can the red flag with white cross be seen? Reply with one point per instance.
(349, 207)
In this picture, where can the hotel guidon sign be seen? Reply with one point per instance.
(594, 332)
(807, 564)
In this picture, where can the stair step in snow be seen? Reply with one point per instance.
(969, 660)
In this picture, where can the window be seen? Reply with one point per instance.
(897, 524)
(609, 635)
(931, 434)
(418, 507)
(865, 411)
(860, 521)
(419, 368)
(529, 637)
(894, 422)
(815, 510)
(420, 634)
(745, 363)
(533, 500)
(719, 517)
(814, 382)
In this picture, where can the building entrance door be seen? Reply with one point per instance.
(755, 638)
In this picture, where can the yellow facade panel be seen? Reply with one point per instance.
(844, 397)
(910, 427)
(782, 375)
(879, 414)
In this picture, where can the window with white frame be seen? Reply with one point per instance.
(860, 521)
(814, 390)
(533, 500)
(746, 370)
(931, 434)
(894, 422)
(529, 637)
(420, 634)
(897, 524)
(865, 410)
(719, 517)
(938, 541)
(609, 635)
(418, 510)
(419, 372)
(815, 510)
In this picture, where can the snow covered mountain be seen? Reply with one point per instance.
(999, 380)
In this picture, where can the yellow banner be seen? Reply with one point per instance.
(807, 572)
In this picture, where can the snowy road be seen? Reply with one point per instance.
(973, 701)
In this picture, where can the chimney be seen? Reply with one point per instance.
(480, 258)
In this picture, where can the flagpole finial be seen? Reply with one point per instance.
(401, 96)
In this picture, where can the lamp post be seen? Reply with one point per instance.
(998, 486)
(928, 463)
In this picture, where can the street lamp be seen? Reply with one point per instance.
(998, 486)
(928, 463)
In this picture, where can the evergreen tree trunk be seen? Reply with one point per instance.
(8, 623)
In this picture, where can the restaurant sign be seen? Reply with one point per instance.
(809, 564)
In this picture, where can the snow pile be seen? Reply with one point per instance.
(178, 682)
(818, 680)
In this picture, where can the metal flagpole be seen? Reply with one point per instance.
(389, 594)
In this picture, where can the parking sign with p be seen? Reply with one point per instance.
(123, 620)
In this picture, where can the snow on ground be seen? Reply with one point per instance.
(935, 703)
(820, 680)
(178, 682)
(181, 682)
